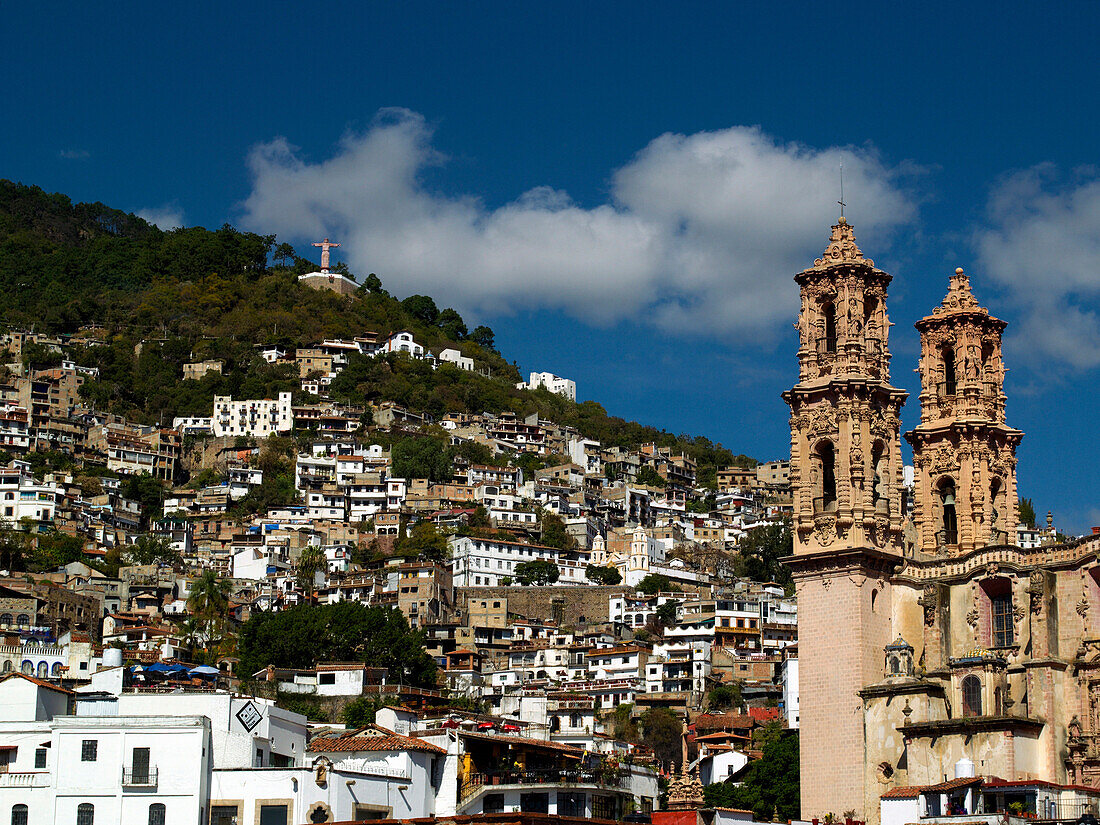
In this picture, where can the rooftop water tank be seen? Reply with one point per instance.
(964, 769)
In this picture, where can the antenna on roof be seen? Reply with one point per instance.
(841, 201)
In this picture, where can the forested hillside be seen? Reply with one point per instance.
(167, 298)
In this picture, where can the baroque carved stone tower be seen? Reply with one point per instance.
(846, 474)
(964, 454)
(846, 466)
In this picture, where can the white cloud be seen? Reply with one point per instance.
(166, 217)
(1042, 244)
(701, 233)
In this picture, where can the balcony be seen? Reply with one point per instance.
(608, 779)
(25, 780)
(139, 777)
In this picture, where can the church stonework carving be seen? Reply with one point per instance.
(963, 452)
(1002, 637)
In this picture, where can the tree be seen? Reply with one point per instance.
(283, 252)
(421, 458)
(150, 549)
(770, 785)
(603, 575)
(310, 561)
(662, 732)
(208, 602)
(761, 552)
(725, 697)
(484, 338)
(15, 547)
(650, 477)
(479, 519)
(667, 613)
(146, 491)
(422, 308)
(452, 325)
(539, 572)
(554, 533)
(622, 724)
(424, 540)
(654, 583)
(360, 712)
(373, 284)
(1027, 513)
(343, 632)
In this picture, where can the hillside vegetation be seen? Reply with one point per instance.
(167, 298)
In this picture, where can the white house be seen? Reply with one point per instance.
(454, 356)
(256, 418)
(22, 496)
(484, 562)
(554, 383)
(403, 342)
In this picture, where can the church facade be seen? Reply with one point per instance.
(928, 640)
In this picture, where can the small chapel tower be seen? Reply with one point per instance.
(846, 475)
(964, 454)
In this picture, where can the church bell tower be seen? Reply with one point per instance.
(964, 455)
(846, 475)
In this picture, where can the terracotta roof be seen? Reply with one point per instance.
(764, 714)
(724, 721)
(381, 740)
(951, 784)
(38, 682)
(537, 743)
(903, 793)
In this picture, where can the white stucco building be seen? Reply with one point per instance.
(554, 383)
(252, 417)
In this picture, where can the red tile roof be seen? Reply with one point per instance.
(764, 714)
(951, 784)
(380, 740)
(903, 793)
(724, 721)
(38, 682)
(537, 743)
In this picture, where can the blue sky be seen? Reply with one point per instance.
(622, 191)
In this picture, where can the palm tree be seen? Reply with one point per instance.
(208, 602)
(311, 559)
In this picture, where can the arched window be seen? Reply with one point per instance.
(972, 695)
(56, 669)
(8, 666)
(43, 670)
(825, 459)
(828, 312)
(949, 522)
(85, 814)
(6, 619)
(156, 813)
(950, 378)
(27, 667)
(19, 814)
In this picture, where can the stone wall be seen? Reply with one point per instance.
(581, 604)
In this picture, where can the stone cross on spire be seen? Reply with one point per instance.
(325, 245)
